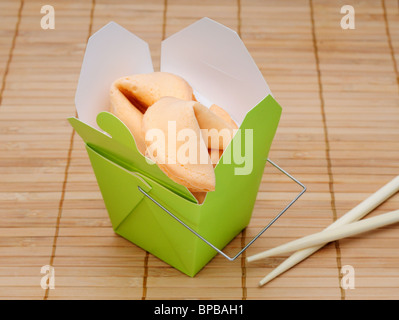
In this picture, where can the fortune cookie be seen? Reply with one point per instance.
(215, 155)
(143, 90)
(161, 102)
(200, 196)
(131, 96)
(128, 114)
(221, 113)
(217, 133)
(167, 119)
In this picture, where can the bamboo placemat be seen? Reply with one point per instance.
(339, 135)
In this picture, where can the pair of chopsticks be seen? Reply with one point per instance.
(347, 225)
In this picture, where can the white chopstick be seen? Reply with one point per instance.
(334, 234)
(355, 214)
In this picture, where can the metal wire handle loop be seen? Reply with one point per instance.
(256, 237)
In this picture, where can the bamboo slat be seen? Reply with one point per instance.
(338, 135)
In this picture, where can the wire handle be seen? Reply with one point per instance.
(256, 237)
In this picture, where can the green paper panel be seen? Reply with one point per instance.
(219, 219)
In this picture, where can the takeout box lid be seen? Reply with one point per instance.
(217, 64)
(112, 52)
(211, 57)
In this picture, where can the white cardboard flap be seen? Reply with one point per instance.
(216, 63)
(210, 56)
(111, 53)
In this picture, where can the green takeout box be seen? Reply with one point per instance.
(214, 60)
